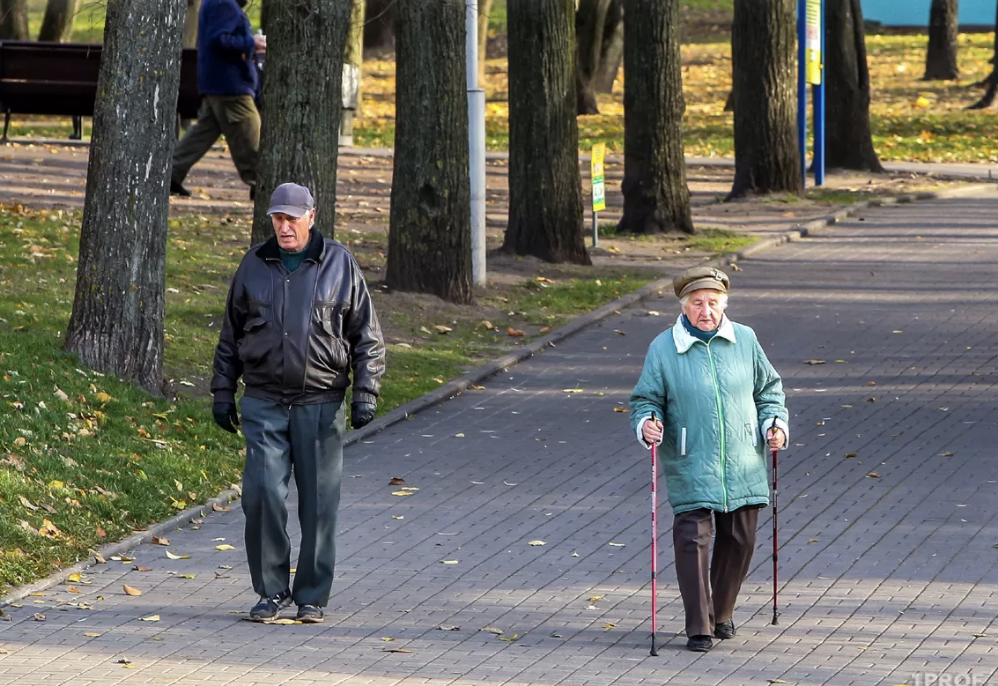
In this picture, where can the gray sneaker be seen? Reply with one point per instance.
(270, 608)
(310, 614)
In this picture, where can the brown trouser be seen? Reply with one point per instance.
(710, 590)
(235, 117)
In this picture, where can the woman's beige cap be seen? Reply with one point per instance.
(697, 278)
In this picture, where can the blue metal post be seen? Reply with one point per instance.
(802, 85)
(819, 113)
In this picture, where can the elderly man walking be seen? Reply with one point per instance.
(298, 320)
(713, 401)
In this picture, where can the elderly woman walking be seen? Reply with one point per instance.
(711, 399)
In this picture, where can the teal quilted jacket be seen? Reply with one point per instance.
(716, 401)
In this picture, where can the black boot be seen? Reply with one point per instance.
(177, 189)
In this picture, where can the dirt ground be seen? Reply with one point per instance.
(53, 176)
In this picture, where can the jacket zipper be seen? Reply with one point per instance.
(720, 415)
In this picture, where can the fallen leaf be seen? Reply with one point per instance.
(130, 591)
(477, 388)
(140, 568)
(74, 577)
(218, 508)
(49, 530)
(544, 329)
(595, 598)
(92, 634)
(812, 540)
(99, 559)
(401, 493)
(387, 639)
(616, 545)
(396, 650)
(441, 329)
(396, 481)
(619, 332)
(448, 628)
(509, 639)
(150, 618)
(156, 540)
(980, 635)
(510, 331)
(282, 620)
(39, 617)
(398, 516)
(537, 543)
(438, 379)
(174, 556)
(72, 589)
(225, 546)
(946, 454)
(424, 329)
(735, 267)
(620, 409)
(124, 661)
(814, 362)
(491, 630)
(608, 626)
(27, 503)
(873, 475)
(571, 390)
(487, 324)
(449, 562)
(849, 455)
(104, 397)
(458, 435)
(871, 383)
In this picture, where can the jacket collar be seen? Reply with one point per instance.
(315, 250)
(684, 340)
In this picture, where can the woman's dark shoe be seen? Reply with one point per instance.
(700, 644)
(725, 629)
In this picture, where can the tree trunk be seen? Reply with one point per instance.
(265, 15)
(379, 30)
(191, 24)
(14, 20)
(302, 106)
(429, 242)
(117, 321)
(656, 197)
(355, 44)
(612, 53)
(545, 191)
(848, 143)
(590, 18)
(484, 10)
(940, 60)
(57, 24)
(991, 82)
(763, 52)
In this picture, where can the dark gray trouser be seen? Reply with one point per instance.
(235, 116)
(710, 590)
(310, 439)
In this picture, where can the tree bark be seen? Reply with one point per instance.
(763, 51)
(57, 24)
(265, 6)
(302, 106)
(848, 143)
(545, 191)
(590, 18)
(117, 321)
(940, 60)
(656, 197)
(990, 83)
(355, 44)
(191, 24)
(429, 242)
(379, 30)
(484, 10)
(612, 52)
(14, 20)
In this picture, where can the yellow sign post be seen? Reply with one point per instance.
(599, 187)
(813, 42)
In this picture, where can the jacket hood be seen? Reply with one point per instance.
(684, 340)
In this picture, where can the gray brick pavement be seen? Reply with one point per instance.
(884, 580)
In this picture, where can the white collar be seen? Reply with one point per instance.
(684, 340)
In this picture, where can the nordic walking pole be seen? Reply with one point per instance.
(776, 507)
(654, 538)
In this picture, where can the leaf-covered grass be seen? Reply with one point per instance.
(85, 458)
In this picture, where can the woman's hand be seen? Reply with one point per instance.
(651, 431)
(776, 438)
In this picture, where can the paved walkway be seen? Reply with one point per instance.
(888, 520)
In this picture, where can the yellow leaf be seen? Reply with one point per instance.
(74, 577)
(537, 543)
(922, 102)
(130, 590)
(92, 634)
(55, 485)
(225, 546)
(72, 589)
(441, 329)
(401, 493)
(150, 618)
(571, 390)
(172, 556)
(104, 397)
(620, 409)
(157, 540)
(873, 475)
(49, 530)
(595, 598)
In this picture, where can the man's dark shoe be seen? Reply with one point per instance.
(725, 629)
(270, 608)
(310, 614)
(178, 189)
(700, 644)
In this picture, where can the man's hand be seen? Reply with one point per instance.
(651, 431)
(260, 43)
(226, 416)
(776, 438)
(361, 414)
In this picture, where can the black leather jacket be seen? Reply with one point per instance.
(294, 337)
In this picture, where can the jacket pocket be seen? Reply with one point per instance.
(254, 343)
(682, 441)
(328, 349)
(750, 426)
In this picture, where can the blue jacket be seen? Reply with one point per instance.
(716, 400)
(226, 64)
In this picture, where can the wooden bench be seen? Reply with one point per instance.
(61, 78)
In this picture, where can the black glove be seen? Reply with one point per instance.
(226, 416)
(361, 413)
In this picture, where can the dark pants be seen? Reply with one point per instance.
(235, 117)
(308, 438)
(710, 589)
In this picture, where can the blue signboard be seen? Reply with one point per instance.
(916, 12)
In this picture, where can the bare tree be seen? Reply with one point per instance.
(763, 41)
(117, 320)
(848, 143)
(14, 20)
(429, 242)
(57, 23)
(302, 105)
(990, 83)
(612, 52)
(545, 191)
(940, 59)
(656, 197)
